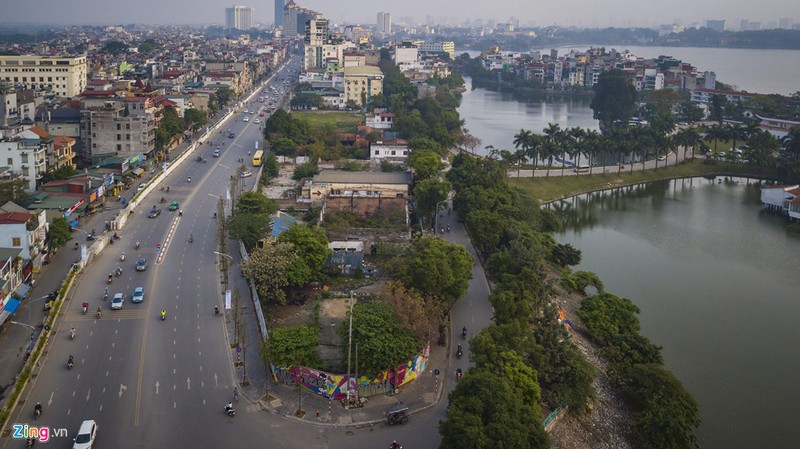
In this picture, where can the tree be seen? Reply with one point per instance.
(791, 142)
(270, 268)
(306, 170)
(255, 203)
(428, 194)
(425, 163)
(433, 266)
(761, 149)
(310, 243)
(146, 47)
(494, 408)
(59, 233)
(115, 47)
(195, 117)
(614, 99)
(224, 94)
(284, 146)
(666, 414)
(290, 346)
(249, 228)
(566, 254)
(381, 343)
(416, 312)
(271, 166)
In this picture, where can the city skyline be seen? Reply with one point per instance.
(606, 13)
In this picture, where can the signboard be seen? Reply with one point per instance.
(227, 299)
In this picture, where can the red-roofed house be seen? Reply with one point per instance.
(23, 231)
(779, 198)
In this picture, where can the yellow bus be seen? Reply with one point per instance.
(257, 158)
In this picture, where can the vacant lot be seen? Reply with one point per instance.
(345, 122)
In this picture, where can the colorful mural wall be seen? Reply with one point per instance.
(334, 386)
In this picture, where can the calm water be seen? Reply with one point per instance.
(716, 280)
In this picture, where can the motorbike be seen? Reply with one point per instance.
(37, 411)
(163, 200)
(230, 411)
(458, 374)
(85, 307)
(448, 229)
(116, 236)
(137, 245)
(110, 278)
(118, 272)
(122, 257)
(464, 333)
(105, 296)
(167, 189)
(191, 239)
(70, 364)
(459, 352)
(77, 245)
(72, 334)
(89, 238)
(163, 315)
(99, 313)
(31, 441)
(189, 179)
(216, 310)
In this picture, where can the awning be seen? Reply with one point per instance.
(22, 290)
(138, 171)
(74, 223)
(11, 306)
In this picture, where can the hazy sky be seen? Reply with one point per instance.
(563, 12)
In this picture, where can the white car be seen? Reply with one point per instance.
(245, 111)
(141, 187)
(86, 435)
(256, 121)
(246, 119)
(118, 301)
(246, 174)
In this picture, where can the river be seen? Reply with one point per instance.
(716, 279)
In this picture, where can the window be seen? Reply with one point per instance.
(127, 137)
(119, 126)
(10, 161)
(119, 136)
(119, 147)
(16, 241)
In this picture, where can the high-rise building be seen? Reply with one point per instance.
(61, 76)
(239, 17)
(383, 23)
(295, 19)
(279, 4)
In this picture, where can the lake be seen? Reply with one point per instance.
(715, 277)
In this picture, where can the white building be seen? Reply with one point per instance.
(239, 17)
(61, 76)
(25, 154)
(398, 153)
(24, 231)
(448, 47)
(383, 23)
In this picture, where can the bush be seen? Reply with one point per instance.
(306, 170)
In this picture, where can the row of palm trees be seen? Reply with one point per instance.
(623, 145)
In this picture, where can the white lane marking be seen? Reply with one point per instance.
(188, 383)
(88, 394)
(50, 401)
(157, 385)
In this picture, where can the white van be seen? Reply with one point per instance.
(581, 169)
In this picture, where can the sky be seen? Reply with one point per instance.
(582, 13)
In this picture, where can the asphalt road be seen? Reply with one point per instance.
(672, 159)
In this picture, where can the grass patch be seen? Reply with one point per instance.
(557, 187)
(345, 122)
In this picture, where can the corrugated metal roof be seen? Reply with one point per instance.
(362, 177)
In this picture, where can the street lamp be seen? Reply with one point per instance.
(223, 254)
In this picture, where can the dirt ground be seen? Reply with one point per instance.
(283, 183)
(607, 424)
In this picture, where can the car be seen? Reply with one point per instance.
(261, 114)
(173, 206)
(662, 158)
(141, 265)
(138, 294)
(256, 121)
(245, 111)
(154, 213)
(215, 153)
(252, 112)
(246, 174)
(140, 187)
(118, 301)
(246, 119)
(230, 135)
(87, 433)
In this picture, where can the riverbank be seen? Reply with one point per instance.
(528, 92)
(556, 187)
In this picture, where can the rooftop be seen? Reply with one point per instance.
(362, 177)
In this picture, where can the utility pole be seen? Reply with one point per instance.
(349, 351)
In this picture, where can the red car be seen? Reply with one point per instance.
(261, 114)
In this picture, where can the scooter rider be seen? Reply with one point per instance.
(229, 408)
(72, 333)
(70, 361)
(163, 314)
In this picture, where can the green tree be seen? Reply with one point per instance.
(566, 254)
(428, 194)
(311, 244)
(273, 268)
(249, 228)
(147, 47)
(271, 166)
(289, 346)
(115, 47)
(306, 170)
(380, 340)
(195, 118)
(59, 233)
(224, 95)
(425, 163)
(666, 414)
(437, 268)
(614, 98)
(255, 203)
(284, 146)
(791, 142)
(762, 147)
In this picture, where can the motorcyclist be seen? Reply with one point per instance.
(37, 408)
(458, 374)
(99, 312)
(189, 179)
(163, 314)
(137, 244)
(70, 361)
(180, 213)
(229, 407)
(216, 310)
(122, 257)
(191, 238)
(72, 333)
(77, 245)
(464, 332)
(85, 307)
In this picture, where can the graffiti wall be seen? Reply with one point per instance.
(334, 386)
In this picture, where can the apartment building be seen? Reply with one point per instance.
(60, 76)
(239, 17)
(361, 83)
(125, 126)
(25, 155)
(448, 47)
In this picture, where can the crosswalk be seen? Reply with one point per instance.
(124, 314)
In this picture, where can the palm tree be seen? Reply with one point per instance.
(717, 132)
(534, 142)
(568, 147)
(791, 142)
(688, 138)
(551, 145)
(736, 131)
(522, 143)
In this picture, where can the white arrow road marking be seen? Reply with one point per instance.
(188, 384)
(216, 380)
(50, 401)
(88, 394)
(174, 405)
(157, 385)
(122, 388)
(101, 408)
(173, 370)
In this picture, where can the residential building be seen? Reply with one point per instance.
(383, 24)
(295, 18)
(716, 25)
(380, 120)
(361, 193)
(379, 151)
(704, 95)
(17, 106)
(448, 47)
(239, 17)
(361, 83)
(60, 76)
(62, 153)
(25, 155)
(125, 126)
(10, 280)
(61, 121)
(24, 231)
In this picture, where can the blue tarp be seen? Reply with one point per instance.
(74, 223)
(11, 306)
(22, 290)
